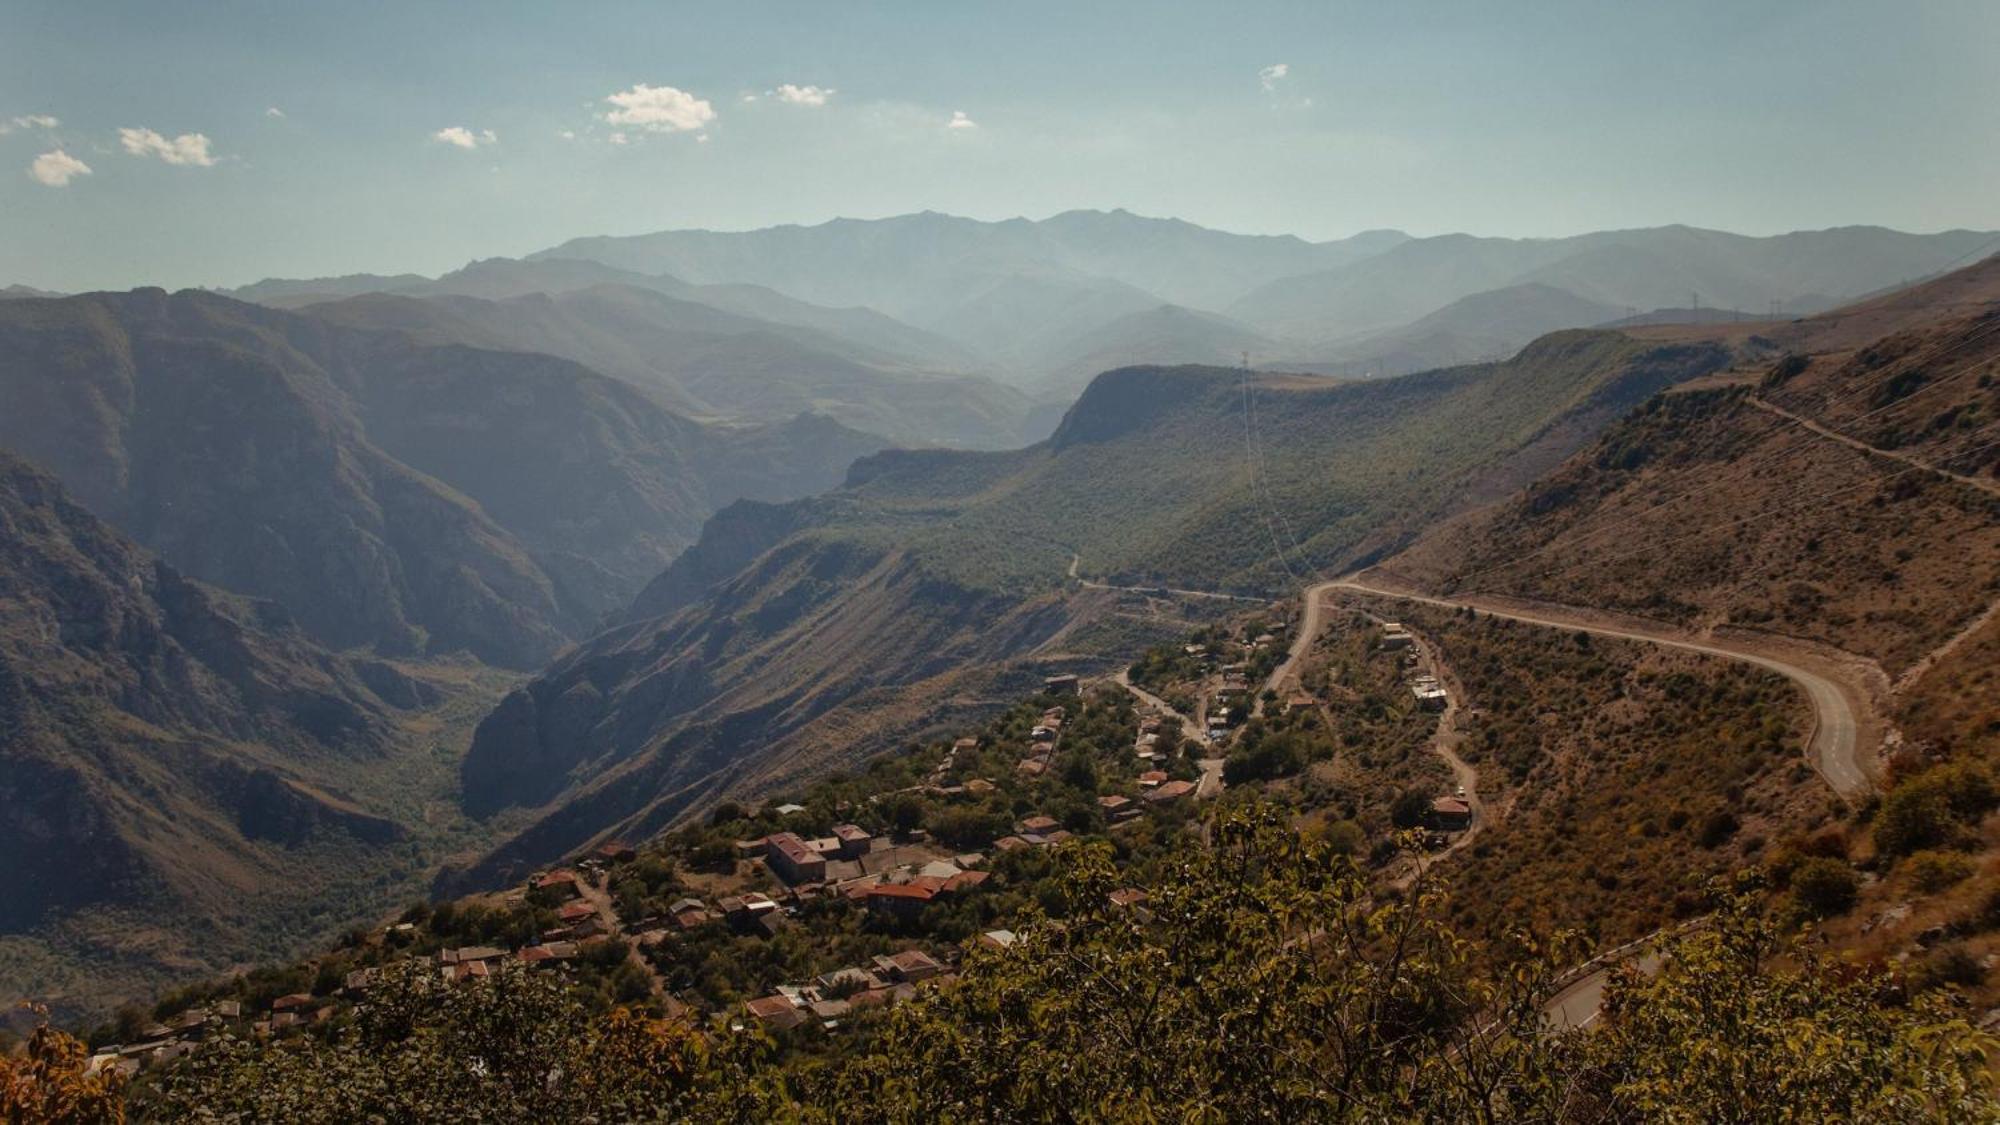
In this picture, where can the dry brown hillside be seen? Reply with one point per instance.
(1844, 498)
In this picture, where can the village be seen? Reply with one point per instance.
(924, 861)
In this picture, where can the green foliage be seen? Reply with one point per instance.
(1933, 871)
(1264, 983)
(1934, 808)
(1823, 886)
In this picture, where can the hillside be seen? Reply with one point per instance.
(1809, 504)
(1482, 326)
(387, 492)
(817, 630)
(701, 360)
(185, 778)
(1642, 269)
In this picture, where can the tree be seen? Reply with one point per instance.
(50, 1083)
(1824, 886)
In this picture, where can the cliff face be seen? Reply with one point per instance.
(148, 719)
(411, 497)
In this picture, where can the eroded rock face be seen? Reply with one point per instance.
(142, 714)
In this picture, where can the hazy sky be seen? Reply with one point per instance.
(219, 142)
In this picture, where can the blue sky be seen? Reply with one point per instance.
(228, 141)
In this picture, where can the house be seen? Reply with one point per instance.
(1450, 814)
(854, 841)
(573, 912)
(1126, 896)
(561, 884)
(1170, 791)
(1394, 636)
(998, 939)
(751, 849)
(1117, 807)
(851, 979)
(1430, 694)
(1066, 684)
(979, 785)
(910, 966)
(899, 900)
(1037, 825)
(288, 1003)
(1033, 767)
(964, 881)
(789, 809)
(828, 1011)
(1300, 701)
(794, 860)
(965, 744)
(1009, 843)
(617, 852)
(775, 1012)
(1152, 779)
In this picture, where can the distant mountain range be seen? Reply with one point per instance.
(934, 329)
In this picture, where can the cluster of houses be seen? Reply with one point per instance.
(1424, 687)
(1042, 741)
(830, 997)
(898, 881)
(167, 1041)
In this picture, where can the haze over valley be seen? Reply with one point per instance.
(1522, 645)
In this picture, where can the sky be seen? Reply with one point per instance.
(177, 143)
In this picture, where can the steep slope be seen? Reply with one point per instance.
(177, 766)
(388, 493)
(794, 636)
(1848, 497)
(1642, 269)
(700, 359)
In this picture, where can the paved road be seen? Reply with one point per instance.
(1835, 749)
(1309, 623)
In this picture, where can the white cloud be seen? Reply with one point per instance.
(1270, 76)
(273, 111)
(459, 136)
(659, 109)
(566, 134)
(619, 138)
(186, 149)
(814, 96)
(57, 168)
(960, 121)
(28, 121)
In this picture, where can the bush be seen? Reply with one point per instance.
(1931, 809)
(1933, 871)
(1717, 829)
(1823, 887)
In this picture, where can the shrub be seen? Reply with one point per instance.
(1933, 871)
(1823, 886)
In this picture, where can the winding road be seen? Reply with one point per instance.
(1835, 747)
